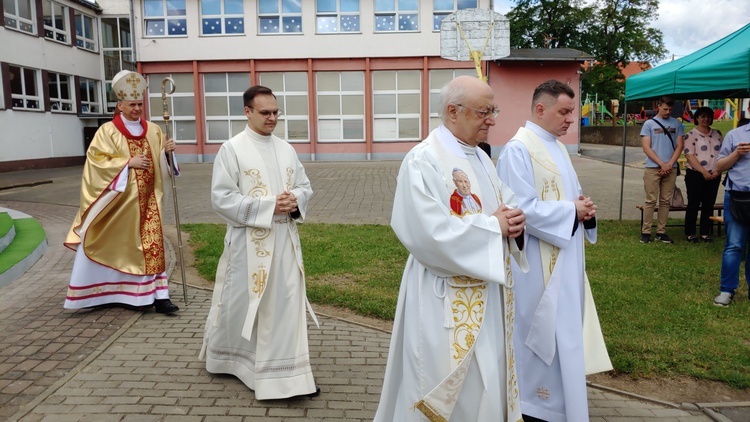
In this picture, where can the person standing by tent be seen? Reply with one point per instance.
(701, 178)
(661, 139)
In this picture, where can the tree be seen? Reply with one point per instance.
(615, 32)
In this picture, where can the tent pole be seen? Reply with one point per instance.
(624, 142)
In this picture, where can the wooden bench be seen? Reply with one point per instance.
(718, 219)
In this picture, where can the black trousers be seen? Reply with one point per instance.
(701, 195)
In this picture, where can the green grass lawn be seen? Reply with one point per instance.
(654, 301)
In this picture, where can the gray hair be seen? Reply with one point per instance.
(451, 93)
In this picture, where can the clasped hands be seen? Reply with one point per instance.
(143, 162)
(585, 208)
(285, 203)
(512, 221)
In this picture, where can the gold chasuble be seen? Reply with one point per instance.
(123, 230)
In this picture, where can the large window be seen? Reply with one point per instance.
(181, 105)
(20, 15)
(341, 106)
(56, 25)
(117, 49)
(165, 18)
(438, 79)
(279, 16)
(225, 112)
(396, 15)
(443, 8)
(60, 92)
(396, 105)
(335, 16)
(24, 88)
(85, 31)
(291, 93)
(222, 17)
(88, 91)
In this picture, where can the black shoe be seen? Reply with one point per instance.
(645, 238)
(663, 238)
(692, 239)
(706, 239)
(165, 306)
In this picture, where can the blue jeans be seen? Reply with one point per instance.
(735, 249)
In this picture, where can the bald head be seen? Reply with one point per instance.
(466, 105)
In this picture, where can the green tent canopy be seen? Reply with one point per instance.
(719, 70)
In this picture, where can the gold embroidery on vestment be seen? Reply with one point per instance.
(150, 230)
(259, 280)
(428, 412)
(468, 312)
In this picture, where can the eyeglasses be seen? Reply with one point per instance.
(267, 113)
(483, 114)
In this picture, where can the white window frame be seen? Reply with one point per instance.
(223, 19)
(57, 104)
(25, 97)
(281, 15)
(14, 21)
(341, 117)
(397, 14)
(397, 116)
(434, 116)
(82, 40)
(165, 18)
(154, 96)
(110, 100)
(445, 12)
(281, 95)
(54, 31)
(338, 14)
(89, 105)
(229, 118)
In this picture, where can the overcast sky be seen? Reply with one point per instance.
(688, 25)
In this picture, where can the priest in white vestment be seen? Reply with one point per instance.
(451, 353)
(558, 339)
(256, 328)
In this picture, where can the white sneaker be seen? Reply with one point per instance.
(723, 299)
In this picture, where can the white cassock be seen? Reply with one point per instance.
(451, 357)
(256, 329)
(549, 333)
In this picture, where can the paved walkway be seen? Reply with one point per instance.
(119, 365)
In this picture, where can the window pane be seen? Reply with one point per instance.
(218, 130)
(296, 105)
(326, 24)
(328, 81)
(350, 23)
(29, 76)
(211, 26)
(408, 79)
(296, 81)
(443, 4)
(385, 103)
(233, 7)
(153, 8)
(291, 6)
(24, 9)
(384, 129)
(385, 23)
(408, 128)
(185, 130)
(349, 5)
(210, 7)
(408, 103)
(408, 5)
(330, 130)
(384, 80)
(273, 80)
(236, 106)
(183, 82)
(385, 6)
(155, 105)
(353, 104)
(268, 6)
(297, 130)
(354, 129)
(215, 82)
(408, 22)
(326, 5)
(466, 72)
(154, 28)
(434, 102)
(329, 105)
(268, 25)
(439, 78)
(238, 126)
(467, 4)
(292, 24)
(280, 130)
(435, 122)
(176, 8)
(183, 106)
(238, 82)
(216, 106)
(177, 26)
(352, 81)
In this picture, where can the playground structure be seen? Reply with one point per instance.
(594, 112)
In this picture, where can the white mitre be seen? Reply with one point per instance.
(129, 86)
